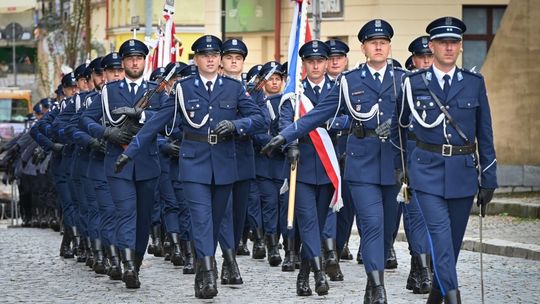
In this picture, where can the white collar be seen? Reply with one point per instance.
(381, 71)
(205, 80)
(440, 74)
(320, 84)
(138, 82)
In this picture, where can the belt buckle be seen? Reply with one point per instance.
(212, 139)
(446, 150)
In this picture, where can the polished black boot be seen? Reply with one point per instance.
(423, 283)
(297, 260)
(230, 273)
(378, 291)
(130, 275)
(359, 259)
(88, 252)
(391, 262)
(99, 259)
(274, 259)
(176, 252)
(78, 248)
(321, 285)
(288, 260)
(302, 281)
(412, 280)
(243, 248)
(156, 240)
(435, 297)
(368, 293)
(167, 247)
(115, 270)
(331, 261)
(346, 253)
(187, 250)
(65, 247)
(452, 297)
(206, 278)
(259, 250)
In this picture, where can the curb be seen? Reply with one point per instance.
(518, 209)
(494, 246)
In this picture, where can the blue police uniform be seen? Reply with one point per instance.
(443, 166)
(369, 167)
(207, 160)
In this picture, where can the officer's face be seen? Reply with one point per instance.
(82, 83)
(445, 51)
(70, 91)
(114, 74)
(90, 84)
(376, 50)
(273, 85)
(337, 64)
(208, 63)
(315, 68)
(134, 66)
(232, 63)
(422, 61)
(98, 79)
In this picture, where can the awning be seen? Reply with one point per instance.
(16, 6)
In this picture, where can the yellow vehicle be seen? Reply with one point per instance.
(15, 105)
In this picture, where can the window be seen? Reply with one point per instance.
(482, 24)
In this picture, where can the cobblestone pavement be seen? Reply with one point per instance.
(31, 271)
(515, 229)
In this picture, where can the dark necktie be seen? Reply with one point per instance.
(317, 90)
(446, 87)
(133, 85)
(209, 87)
(377, 79)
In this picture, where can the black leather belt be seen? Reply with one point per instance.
(242, 137)
(361, 132)
(446, 150)
(411, 136)
(210, 138)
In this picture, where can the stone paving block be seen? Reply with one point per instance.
(508, 175)
(531, 176)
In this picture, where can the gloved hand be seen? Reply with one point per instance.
(224, 127)
(97, 145)
(293, 153)
(383, 130)
(57, 147)
(128, 111)
(38, 156)
(116, 136)
(484, 197)
(275, 142)
(121, 161)
(171, 149)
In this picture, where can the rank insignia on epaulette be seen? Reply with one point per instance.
(459, 76)
(428, 76)
(363, 74)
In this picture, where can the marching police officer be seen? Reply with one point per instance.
(209, 105)
(369, 98)
(449, 111)
(133, 189)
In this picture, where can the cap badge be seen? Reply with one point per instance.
(234, 42)
(208, 38)
(378, 23)
(424, 42)
(132, 43)
(448, 21)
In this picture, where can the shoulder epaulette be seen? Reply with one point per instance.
(352, 70)
(472, 72)
(186, 78)
(416, 72)
(230, 78)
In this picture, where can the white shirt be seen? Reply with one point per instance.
(320, 84)
(205, 80)
(381, 72)
(440, 74)
(137, 82)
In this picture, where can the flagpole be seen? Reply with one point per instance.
(298, 91)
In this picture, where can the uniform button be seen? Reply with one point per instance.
(210, 107)
(431, 104)
(380, 99)
(197, 105)
(449, 135)
(211, 119)
(447, 107)
(468, 104)
(381, 113)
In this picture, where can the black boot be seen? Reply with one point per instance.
(412, 280)
(76, 242)
(297, 259)
(274, 259)
(65, 247)
(391, 262)
(288, 261)
(368, 294)
(242, 246)
(156, 240)
(346, 253)
(187, 250)
(359, 259)
(167, 247)
(321, 285)
(423, 283)
(206, 279)
(130, 275)
(99, 260)
(302, 281)
(331, 264)
(435, 297)
(378, 292)
(230, 273)
(115, 271)
(89, 252)
(176, 252)
(259, 250)
(452, 297)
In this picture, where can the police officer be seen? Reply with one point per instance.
(133, 189)
(368, 95)
(422, 57)
(451, 117)
(209, 106)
